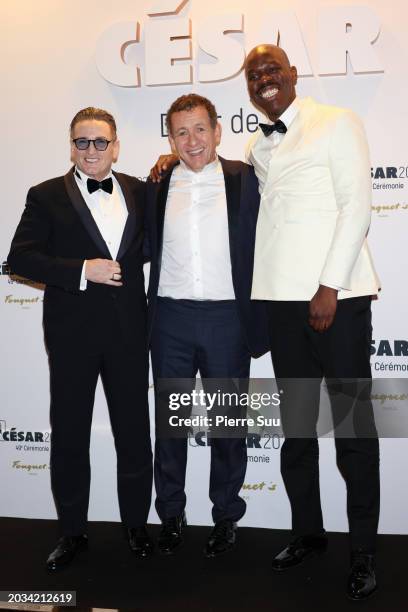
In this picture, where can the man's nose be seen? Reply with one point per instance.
(92, 147)
(192, 138)
(265, 78)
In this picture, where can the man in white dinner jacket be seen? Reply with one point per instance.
(313, 267)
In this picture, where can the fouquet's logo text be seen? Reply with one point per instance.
(29, 467)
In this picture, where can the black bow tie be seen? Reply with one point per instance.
(106, 185)
(278, 126)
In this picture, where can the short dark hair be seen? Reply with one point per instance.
(91, 113)
(188, 103)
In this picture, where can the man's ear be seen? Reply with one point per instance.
(172, 144)
(116, 149)
(218, 133)
(293, 70)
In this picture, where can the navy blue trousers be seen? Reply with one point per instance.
(192, 336)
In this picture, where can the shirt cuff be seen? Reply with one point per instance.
(83, 283)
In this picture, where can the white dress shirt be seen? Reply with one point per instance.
(196, 261)
(260, 148)
(109, 212)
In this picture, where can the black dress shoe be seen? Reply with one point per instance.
(298, 550)
(140, 542)
(361, 582)
(65, 551)
(222, 538)
(171, 534)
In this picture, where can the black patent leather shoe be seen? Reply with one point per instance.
(362, 582)
(171, 534)
(66, 549)
(298, 550)
(140, 542)
(222, 538)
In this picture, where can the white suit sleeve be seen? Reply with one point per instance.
(350, 171)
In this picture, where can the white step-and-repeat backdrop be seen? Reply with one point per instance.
(134, 59)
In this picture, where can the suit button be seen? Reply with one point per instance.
(114, 296)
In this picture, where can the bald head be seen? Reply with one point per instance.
(262, 49)
(271, 80)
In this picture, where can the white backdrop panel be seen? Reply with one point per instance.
(49, 55)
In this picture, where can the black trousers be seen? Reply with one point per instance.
(75, 367)
(342, 352)
(188, 337)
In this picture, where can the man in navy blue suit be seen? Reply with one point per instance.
(201, 222)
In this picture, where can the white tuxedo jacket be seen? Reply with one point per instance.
(315, 209)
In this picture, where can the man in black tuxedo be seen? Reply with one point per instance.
(81, 235)
(201, 223)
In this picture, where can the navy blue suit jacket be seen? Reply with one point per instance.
(242, 193)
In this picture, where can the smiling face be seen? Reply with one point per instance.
(93, 163)
(193, 138)
(271, 80)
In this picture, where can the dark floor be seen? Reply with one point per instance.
(108, 576)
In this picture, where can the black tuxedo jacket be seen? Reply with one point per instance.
(242, 193)
(56, 233)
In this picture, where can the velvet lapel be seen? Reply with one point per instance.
(233, 194)
(129, 231)
(84, 213)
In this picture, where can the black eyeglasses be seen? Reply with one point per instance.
(100, 144)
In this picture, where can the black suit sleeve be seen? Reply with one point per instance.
(150, 203)
(147, 251)
(30, 249)
(253, 191)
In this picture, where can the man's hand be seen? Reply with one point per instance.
(103, 271)
(322, 308)
(165, 162)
